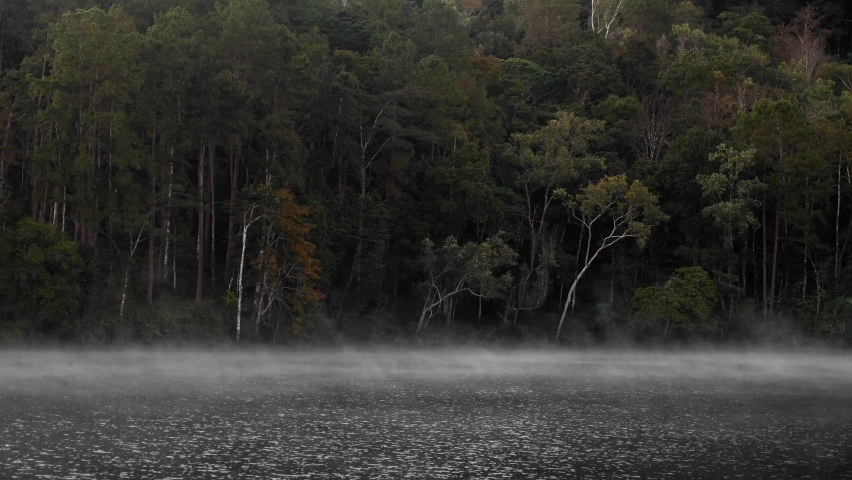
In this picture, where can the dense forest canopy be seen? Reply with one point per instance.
(307, 168)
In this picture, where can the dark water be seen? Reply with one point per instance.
(425, 415)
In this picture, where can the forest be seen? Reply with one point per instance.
(428, 171)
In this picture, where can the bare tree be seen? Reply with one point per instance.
(803, 42)
(604, 15)
(718, 108)
(651, 128)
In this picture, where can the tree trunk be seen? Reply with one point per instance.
(836, 221)
(561, 288)
(426, 308)
(240, 276)
(741, 292)
(199, 247)
(805, 273)
(612, 280)
(43, 206)
(448, 312)
(775, 254)
(260, 285)
(355, 271)
(818, 290)
(765, 278)
(2, 51)
(174, 265)
(63, 207)
(151, 246)
(211, 167)
(167, 220)
(124, 292)
(233, 163)
(151, 270)
(571, 292)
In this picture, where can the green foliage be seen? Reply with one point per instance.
(169, 323)
(751, 29)
(132, 130)
(558, 152)
(39, 274)
(230, 298)
(637, 58)
(731, 194)
(465, 191)
(439, 32)
(95, 76)
(701, 60)
(349, 30)
(632, 208)
(792, 167)
(583, 74)
(547, 24)
(615, 110)
(674, 179)
(453, 268)
(838, 73)
(687, 301)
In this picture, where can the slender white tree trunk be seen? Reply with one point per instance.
(124, 292)
(167, 219)
(837, 223)
(174, 268)
(134, 244)
(246, 223)
(240, 279)
(569, 301)
(63, 210)
(426, 308)
(572, 293)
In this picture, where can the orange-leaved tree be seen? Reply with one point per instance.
(302, 267)
(287, 271)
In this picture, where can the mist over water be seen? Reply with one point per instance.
(425, 414)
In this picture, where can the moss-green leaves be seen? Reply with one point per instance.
(686, 301)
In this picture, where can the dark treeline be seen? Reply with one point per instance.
(600, 169)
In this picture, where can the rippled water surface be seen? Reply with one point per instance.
(435, 414)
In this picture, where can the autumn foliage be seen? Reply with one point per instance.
(287, 268)
(302, 269)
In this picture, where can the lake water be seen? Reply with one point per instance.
(428, 414)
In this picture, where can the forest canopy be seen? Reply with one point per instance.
(306, 170)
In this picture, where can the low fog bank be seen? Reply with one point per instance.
(68, 370)
(593, 328)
